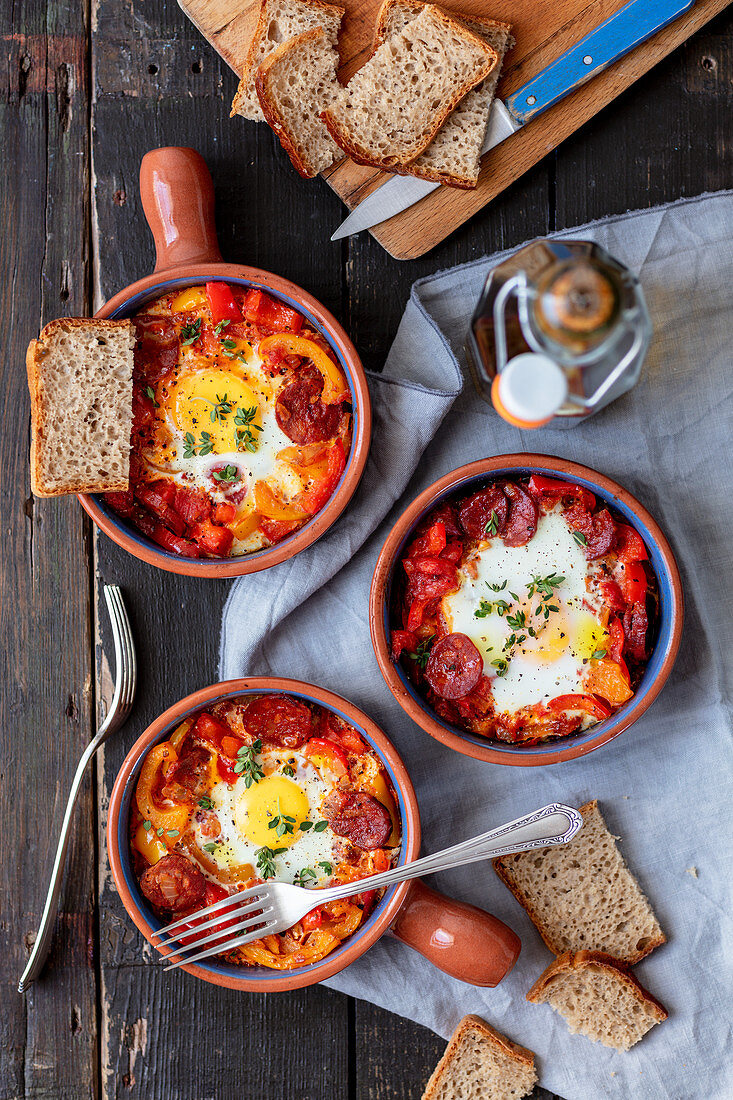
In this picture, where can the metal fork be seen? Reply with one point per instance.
(125, 683)
(274, 906)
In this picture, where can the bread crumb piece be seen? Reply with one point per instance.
(691, 871)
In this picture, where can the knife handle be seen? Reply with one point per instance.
(629, 27)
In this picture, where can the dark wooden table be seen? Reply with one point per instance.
(86, 90)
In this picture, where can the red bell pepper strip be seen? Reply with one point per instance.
(548, 487)
(313, 499)
(587, 703)
(629, 544)
(633, 582)
(616, 640)
(261, 309)
(222, 303)
(214, 540)
(324, 752)
(417, 611)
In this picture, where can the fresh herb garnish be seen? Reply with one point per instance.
(287, 770)
(189, 445)
(320, 826)
(244, 421)
(544, 585)
(580, 538)
(159, 832)
(304, 875)
(420, 656)
(305, 826)
(282, 824)
(150, 392)
(221, 408)
(327, 867)
(172, 832)
(598, 655)
(246, 764)
(497, 587)
(487, 606)
(207, 444)
(212, 846)
(501, 666)
(191, 332)
(229, 473)
(220, 326)
(493, 525)
(147, 826)
(266, 860)
(517, 621)
(205, 803)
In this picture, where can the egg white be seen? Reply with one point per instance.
(554, 662)
(234, 848)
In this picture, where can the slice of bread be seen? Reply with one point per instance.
(599, 998)
(454, 155)
(80, 380)
(279, 21)
(582, 895)
(293, 85)
(392, 108)
(481, 1064)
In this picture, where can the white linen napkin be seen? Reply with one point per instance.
(664, 785)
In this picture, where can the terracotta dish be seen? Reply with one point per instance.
(178, 200)
(460, 939)
(572, 724)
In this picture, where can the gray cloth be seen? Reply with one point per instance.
(663, 785)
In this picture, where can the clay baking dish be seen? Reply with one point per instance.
(468, 479)
(178, 199)
(465, 942)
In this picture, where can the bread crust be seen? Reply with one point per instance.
(595, 960)
(260, 29)
(34, 355)
(521, 1055)
(361, 155)
(269, 109)
(501, 866)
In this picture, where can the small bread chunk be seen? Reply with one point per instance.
(294, 84)
(454, 155)
(80, 381)
(599, 997)
(582, 896)
(279, 21)
(481, 1064)
(392, 108)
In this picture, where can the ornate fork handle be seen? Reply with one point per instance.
(553, 824)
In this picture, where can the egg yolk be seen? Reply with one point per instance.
(200, 395)
(261, 804)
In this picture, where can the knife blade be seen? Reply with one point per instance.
(620, 33)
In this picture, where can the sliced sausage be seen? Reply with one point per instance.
(636, 625)
(278, 720)
(173, 883)
(358, 817)
(522, 521)
(185, 781)
(476, 513)
(599, 530)
(454, 666)
(301, 413)
(156, 347)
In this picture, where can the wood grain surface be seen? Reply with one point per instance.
(83, 94)
(544, 29)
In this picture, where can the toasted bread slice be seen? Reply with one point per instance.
(392, 108)
(278, 22)
(80, 381)
(582, 896)
(293, 85)
(454, 155)
(599, 997)
(481, 1064)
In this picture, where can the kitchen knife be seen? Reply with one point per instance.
(628, 28)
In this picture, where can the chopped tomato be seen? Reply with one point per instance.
(224, 513)
(403, 639)
(171, 542)
(211, 729)
(222, 303)
(123, 503)
(312, 920)
(313, 499)
(230, 746)
(327, 754)
(585, 703)
(276, 530)
(214, 540)
(548, 487)
(351, 741)
(431, 543)
(261, 309)
(417, 611)
(192, 504)
(212, 894)
(629, 544)
(633, 582)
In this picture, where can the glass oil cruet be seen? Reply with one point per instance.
(560, 331)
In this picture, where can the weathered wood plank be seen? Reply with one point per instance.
(47, 1037)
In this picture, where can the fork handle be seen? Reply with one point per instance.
(551, 825)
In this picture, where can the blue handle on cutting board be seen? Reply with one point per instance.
(632, 25)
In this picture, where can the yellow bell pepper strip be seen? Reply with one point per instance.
(247, 525)
(192, 297)
(172, 817)
(272, 507)
(316, 495)
(149, 845)
(334, 384)
(606, 678)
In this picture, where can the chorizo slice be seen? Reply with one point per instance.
(522, 520)
(454, 666)
(156, 347)
(173, 883)
(278, 720)
(598, 530)
(185, 781)
(301, 413)
(478, 511)
(359, 818)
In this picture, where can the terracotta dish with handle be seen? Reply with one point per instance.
(464, 941)
(385, 615)
(178, 199)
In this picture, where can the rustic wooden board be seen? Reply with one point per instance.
(544, 29)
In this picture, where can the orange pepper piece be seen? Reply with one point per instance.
(606, 678)
(334, 383)
(272, 507)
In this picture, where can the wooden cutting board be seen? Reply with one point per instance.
(543, 29)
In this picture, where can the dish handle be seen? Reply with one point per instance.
(464, 941)
(178, 199)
